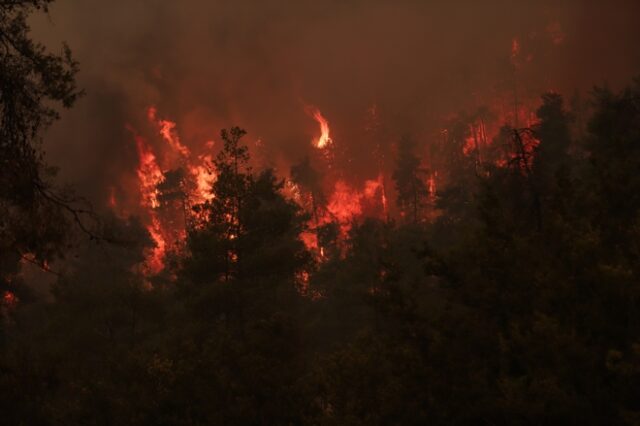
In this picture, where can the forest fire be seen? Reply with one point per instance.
(325, 213)
(150, 176)
(168, 193)
(174, 177)
(185, 180)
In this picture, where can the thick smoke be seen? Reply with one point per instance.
(212, 64)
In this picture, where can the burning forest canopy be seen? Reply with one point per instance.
(369, 72)
(425, 204)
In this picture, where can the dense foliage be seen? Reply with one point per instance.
(33, 82)
(526, 314)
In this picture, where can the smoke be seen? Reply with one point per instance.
(258, 64)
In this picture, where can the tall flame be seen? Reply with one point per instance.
(155, 257)
(324, 140)
(149, 177)
(149, 174)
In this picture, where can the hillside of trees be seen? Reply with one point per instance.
(517, 304)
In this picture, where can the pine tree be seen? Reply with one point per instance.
(409, 179)
(554, 136)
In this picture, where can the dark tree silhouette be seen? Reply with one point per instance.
(33, 83)
(409, 178)
(310, 181)
(553, 133)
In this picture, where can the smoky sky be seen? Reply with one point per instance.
(213, 64)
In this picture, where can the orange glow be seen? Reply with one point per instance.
(515, 50)
(113, 203)
(9, 300)
(292, 191)
(347, 204)
(431, 185)
(303, 282)
(385, 205)
(310, 240)
(371, 188)
(344, 205)
(469, 146)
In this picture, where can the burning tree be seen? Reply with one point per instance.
(251, 230)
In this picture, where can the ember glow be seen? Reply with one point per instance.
(9, 300)
(432, 185)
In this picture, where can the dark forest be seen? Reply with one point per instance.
(322, 213)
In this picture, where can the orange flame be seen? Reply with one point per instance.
(155, 257)
(204, 177)
(347, 204)
(168, 132)
(149, 174)
(149, 177)
(167, 215)
(324, 140)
